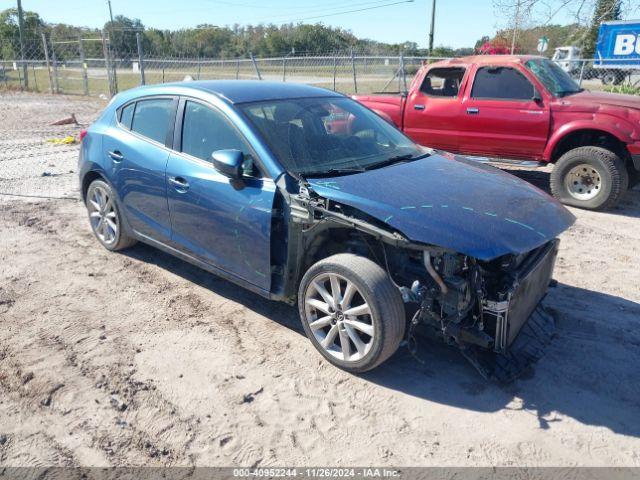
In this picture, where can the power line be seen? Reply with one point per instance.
(344, 12)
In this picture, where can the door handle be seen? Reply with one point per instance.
(179, 183)
(418, 107)
(116, 155)
(473, 110)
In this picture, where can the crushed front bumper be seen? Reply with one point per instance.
(523, 327)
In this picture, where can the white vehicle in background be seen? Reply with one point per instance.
(568, 59)
(616, 58)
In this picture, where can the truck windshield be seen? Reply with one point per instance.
(329, 136)
(556, 80)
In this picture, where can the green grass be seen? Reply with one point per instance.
(625, 89)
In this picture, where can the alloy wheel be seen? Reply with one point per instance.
(339, 317)
(102, 215)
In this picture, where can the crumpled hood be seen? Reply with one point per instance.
(590, 101)
(454, 203)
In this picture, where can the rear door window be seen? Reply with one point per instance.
(501, 83)
(442, 82)
(152, 118)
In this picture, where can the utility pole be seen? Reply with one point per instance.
(110, 13)
(20, 33)
(433, 21)
(515, 27)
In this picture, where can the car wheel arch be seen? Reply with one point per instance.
(586, 137)
(90, 177)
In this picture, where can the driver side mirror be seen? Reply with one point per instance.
(228, 163)
(536, 96)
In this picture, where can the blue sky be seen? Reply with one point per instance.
(459, 23)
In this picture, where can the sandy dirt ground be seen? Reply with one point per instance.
(137, 358)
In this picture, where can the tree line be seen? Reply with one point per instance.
(239, 41)
(203, 41)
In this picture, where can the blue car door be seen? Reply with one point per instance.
(136, 160)
(222, 224)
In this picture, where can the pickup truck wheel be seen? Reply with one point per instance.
(105, 217)
(351, 312)
(593, 178)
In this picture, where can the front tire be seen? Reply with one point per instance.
(593, 178)
(105, 217)
(351, 311)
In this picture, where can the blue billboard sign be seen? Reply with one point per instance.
(618, 45)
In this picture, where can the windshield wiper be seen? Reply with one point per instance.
(333, 171)
(398, 158)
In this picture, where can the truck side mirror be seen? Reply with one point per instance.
(536, 96)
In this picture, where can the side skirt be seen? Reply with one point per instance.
(205, 266)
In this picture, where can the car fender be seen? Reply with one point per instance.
(605, 123)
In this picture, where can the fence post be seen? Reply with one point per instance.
(140, 58)
(353, 67)
(335, 68)
(46, 59)
(35, 79)
(237, 69)
(20, 78)
(107, 66)
(581, 73)
(54, 60)
(255, 66)
(85, 77)
(284, 69)
(4, 74)
(403, 72)
(198, 74)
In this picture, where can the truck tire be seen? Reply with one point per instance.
(593, 178)
(105, 217)
(351, 311)
(609, 78)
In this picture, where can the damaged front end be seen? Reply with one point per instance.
(489, 309)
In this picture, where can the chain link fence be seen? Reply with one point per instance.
(93, 66)
(86, 71)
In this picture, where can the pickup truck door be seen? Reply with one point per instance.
(222, 224)
(501, 116)
(432, 109)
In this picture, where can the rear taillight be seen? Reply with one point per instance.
(83, 133)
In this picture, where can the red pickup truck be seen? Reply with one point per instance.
(524, 108)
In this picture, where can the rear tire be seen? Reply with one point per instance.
(593, 178)
(105, 217)
(371, 333)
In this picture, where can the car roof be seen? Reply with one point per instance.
(485, 60)
(242, 91)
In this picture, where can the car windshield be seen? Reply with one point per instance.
(556, 80)
(328, 136)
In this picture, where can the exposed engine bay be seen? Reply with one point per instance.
(479, 306)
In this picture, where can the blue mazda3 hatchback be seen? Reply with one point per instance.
(303, 195)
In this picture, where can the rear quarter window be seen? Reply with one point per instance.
(126, 115)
